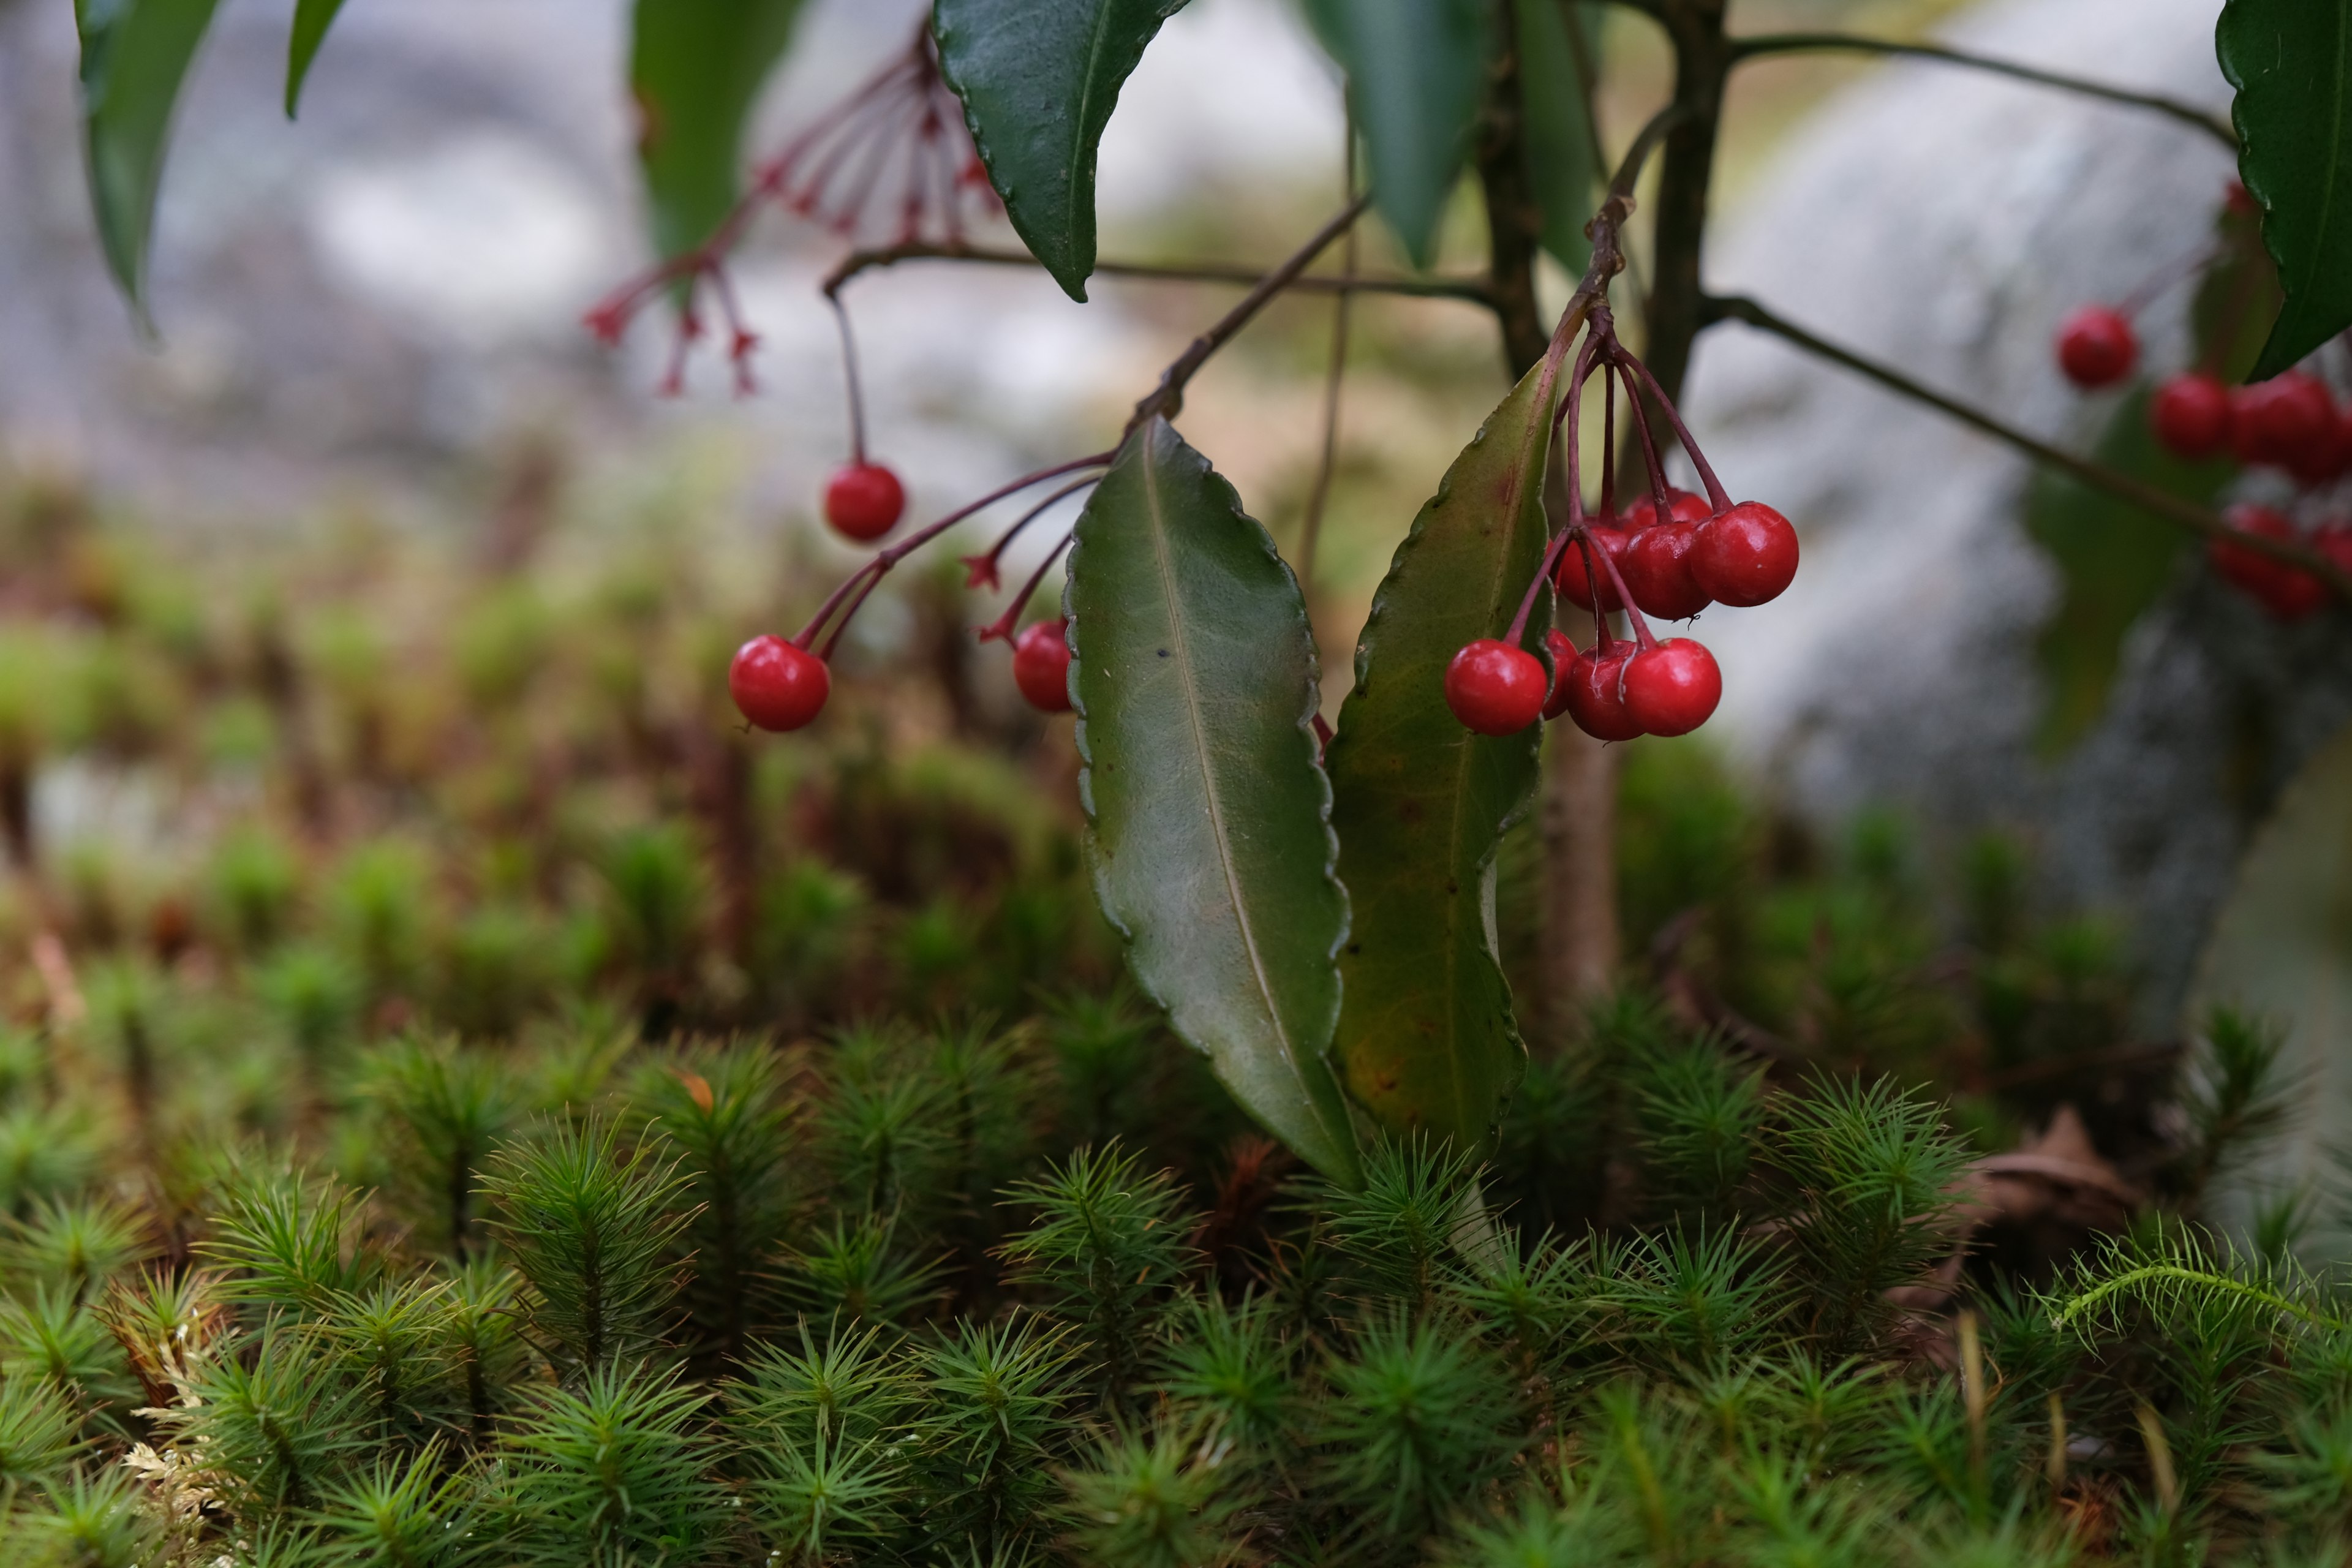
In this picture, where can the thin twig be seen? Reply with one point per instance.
(1472, 291)
(1310, 529)
(2098, 476)
(1764, 44)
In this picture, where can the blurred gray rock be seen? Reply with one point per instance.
(1945, 220)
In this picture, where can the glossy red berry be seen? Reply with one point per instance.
(1040, 666)
(2097, 346)
(1746, 556)
(1682, 507)
(777, 686)
(1656, 567)
(2281, 420)
(2324, 458)
(864, 500)
(1569, 577)
(1672, 687)
(2288, 593)
(1496, 688)
(2190, 413)
(1563, 659)
(1596, 694)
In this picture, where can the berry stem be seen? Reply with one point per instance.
(983, 567)
(1608, 450)
(1657, 470)
(850, 376)
(1003, 626)
(1642, 637)
(2163, 278)
(1716, 495)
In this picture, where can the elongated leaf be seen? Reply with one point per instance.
(2291, 62)
(696, 68)
(1427, 1041)
(1193, 674)
(134, 55)
(2282, 947)
(311, 20)
(1416, 69)
(1564, 168)
(1038, 79)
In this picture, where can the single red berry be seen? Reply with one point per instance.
(1606, 540)
(2097, 346)
(1496, 688)
(864, 500)
(1040, 666)
(1596, 694)
(2323, 458)
(1746, 556)
(1682, 507)
(2335, 542)
(2191, 416)
(2239, 200)
(2288, 593)
(1657, 566)
(1563, 659)
(2281, 420)
(1672, 687)
(776, 684)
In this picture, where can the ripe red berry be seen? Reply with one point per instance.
(1569, 577)
(1746, 556)
(2281, 420)
(2335, 542)
(864, 500)
(1496, 688)
(1596, 694)
(1672, 687)
(776, 684)
(1563, 659)
(2097, 346)
(2288, 593)
(2191, 416)
(2325, 456)
(1657, 565)
(1682, 507)
(1040, 666)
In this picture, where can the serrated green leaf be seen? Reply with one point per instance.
(134, 55)
(1564, 168)
(2291, 63)
(1193, 674)
(1038, 81)
(1427, 1042)
(696, 68)
(311, 20)
(2282, 946)
(1416, 71)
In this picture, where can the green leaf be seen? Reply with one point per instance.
(1194, 673)
(1564, 167)
(696, 68)
(2282, 946)
(1426, 1038)
(1416, 71)
(311, 20)
(2291, 62)
(1038, 79)
(134, 55)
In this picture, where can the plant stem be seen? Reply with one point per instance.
(1471, 291)
(2098, 476)
(1310, 528)
(1763, 44)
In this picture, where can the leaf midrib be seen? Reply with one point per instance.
(1071, 216)
(2335, 144)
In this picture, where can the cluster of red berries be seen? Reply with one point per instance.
(1670, 555)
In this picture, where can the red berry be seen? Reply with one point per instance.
(2097, 346)
(1672, 687)
(2335, 542)
(2281, 420)
(1040, 666)
(1563, 659)
(2191, 416)
(2238, 200)
(1496, 688)
(1656, 564)
(1596, 694)
(863, 500)
(1746, 556)
(776, 684)
(1569, 577)
(2325, 455)
(2288, 593)
(1682, 507)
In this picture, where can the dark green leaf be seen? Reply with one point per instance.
(1416, 71)
(311, 20)
(696, 68)
(2291, 61)
(1426, 1040)
(134, 54)
(1194, 673)
(1038, 79)
(1564, 168)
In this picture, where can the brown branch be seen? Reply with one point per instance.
(2098, 476)
(1471, 290)
(1764, 44)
